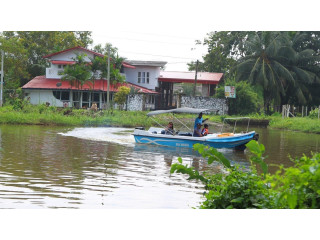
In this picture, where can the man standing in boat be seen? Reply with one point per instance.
(200, 120)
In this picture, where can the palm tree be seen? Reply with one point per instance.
(77, 74)
(303, 63)
(282, 65)
(262, 66)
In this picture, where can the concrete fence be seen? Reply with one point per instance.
(138, 102)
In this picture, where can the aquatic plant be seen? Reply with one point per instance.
(237, 187)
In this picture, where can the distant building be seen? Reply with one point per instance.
(50, 88)
(146, 77)
(144, 73)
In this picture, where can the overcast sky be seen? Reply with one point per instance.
(163, 30)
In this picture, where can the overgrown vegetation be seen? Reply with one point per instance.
(247, 99)
(293, 188)
(282, 66)
(19, 111)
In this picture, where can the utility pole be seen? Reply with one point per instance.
(1, 83)
(195, 79)
(108, 79)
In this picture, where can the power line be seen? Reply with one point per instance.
(151, 34)
(145, 40)
(156, 34)
(154, 55)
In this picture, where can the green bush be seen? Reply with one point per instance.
(314, 113)
(294, 187)
(247, 100)
(298, 186)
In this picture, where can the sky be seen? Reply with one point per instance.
(156, 30)
(150, 44)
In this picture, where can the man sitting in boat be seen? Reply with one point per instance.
(205, 130)
(169, 129)
(197, 131)
(200, 120)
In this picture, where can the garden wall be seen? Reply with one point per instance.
(219, 105)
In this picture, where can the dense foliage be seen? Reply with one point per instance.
(285, 65)
(77, 74)
(247, 99)
(24, 51)
(121, 96)
(236, 187)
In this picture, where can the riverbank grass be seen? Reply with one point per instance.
(307, 125)
(44, 115)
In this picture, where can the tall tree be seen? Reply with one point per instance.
(224, 48)
(36, 44)
(100, 64)
(79, 73)
(282, 65)
(263, 66)
(303, 63)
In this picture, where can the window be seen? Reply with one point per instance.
(96, 97)
(57, 94)
(143, 77)
(61, 95)
(65, 96)
(150, 99)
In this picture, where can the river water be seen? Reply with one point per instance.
(59, 167)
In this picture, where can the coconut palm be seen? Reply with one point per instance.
(279, 63)
(302, 62)
(263, 66)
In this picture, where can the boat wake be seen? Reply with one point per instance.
(115, 135)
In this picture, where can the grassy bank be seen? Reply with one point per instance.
(302, 124)
(307, 125)
(43, 115)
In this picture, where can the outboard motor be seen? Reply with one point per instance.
(256, 137)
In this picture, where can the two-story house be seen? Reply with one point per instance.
(144, 73)
(50, 89)
(146, 77)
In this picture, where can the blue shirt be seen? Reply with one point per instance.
(198, 120)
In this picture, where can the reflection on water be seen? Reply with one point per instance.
(47, 167)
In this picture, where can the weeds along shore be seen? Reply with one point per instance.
(49, 115)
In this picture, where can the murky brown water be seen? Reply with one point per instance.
(54, 167)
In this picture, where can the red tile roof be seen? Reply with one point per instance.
(63, 62)
(70, 49)
(188, 77)
(41, 83)
(125, 64)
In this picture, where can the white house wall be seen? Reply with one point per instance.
(132, 76)
(43, 96)
(52, 72)
(68, 56)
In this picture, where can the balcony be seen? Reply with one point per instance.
(53, 73)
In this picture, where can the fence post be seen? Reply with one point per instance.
(318, 111)
(306, 111)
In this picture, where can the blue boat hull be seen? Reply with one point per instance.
(225, 142)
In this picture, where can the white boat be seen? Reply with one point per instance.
(185, 139)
